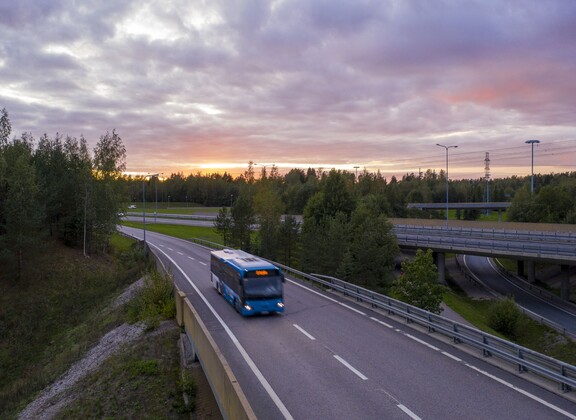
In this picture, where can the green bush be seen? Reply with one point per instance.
(505, 317)
(155, 301)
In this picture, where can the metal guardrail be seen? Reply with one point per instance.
(525, 359)
(564, 253)
(491, 233)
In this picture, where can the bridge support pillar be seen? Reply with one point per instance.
(565, 282)
(531, 271)
(441, 265)
(520, 268)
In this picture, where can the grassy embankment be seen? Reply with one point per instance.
(529, 333)
(58, 310)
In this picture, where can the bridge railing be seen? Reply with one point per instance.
(526, 360)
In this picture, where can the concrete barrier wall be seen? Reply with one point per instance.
(230, 397)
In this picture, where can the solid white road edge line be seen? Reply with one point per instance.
(526, 393)
(239, 346)
(351, 308)
(422, 342)
(313, 291)
(299, 328)
(451, 356)
(381, 322)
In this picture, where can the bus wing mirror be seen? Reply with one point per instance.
(283, 278)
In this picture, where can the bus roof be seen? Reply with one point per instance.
(242, 259)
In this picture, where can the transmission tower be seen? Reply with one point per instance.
(487, 176)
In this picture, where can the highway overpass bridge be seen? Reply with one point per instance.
(525, 242)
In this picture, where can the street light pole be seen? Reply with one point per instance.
(156, 187)
(532, 177)
(144, 205)
(446, 147)
(356, 167)
(144, 210)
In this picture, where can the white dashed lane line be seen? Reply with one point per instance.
(299, 328)
(352, 368)
(404, 408)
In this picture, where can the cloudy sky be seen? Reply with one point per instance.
(209, 84)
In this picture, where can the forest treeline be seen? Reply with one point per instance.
(55, 186)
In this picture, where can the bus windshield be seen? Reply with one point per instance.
(262, 287)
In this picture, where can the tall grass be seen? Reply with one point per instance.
(155, 301)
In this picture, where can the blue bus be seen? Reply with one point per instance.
(250, 284)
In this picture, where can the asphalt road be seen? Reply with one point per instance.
(327, 358)
(483, 268)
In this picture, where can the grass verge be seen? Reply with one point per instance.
(180, 231)
(529, 333)
(143, 381)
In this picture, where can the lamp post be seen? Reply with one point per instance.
(446, 147)
(156, 188)
(356, 167)
(532, 177)
(144, 205)
(263, 173)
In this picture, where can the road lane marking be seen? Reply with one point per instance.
(351, 308)
(265, 384)
(408, 411)
(422, 342)
(352, 368)
(180, 253)
(203, 263)
(526, 393)
(169, 248)
(192, 258)
(381, 322)
(313, 291)
(451, 356)
(299, 328)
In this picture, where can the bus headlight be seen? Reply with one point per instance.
(280, 304)
(248, 307)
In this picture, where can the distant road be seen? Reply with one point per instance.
(559, 313)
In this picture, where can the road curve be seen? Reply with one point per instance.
(327, 358)
(484, 270)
